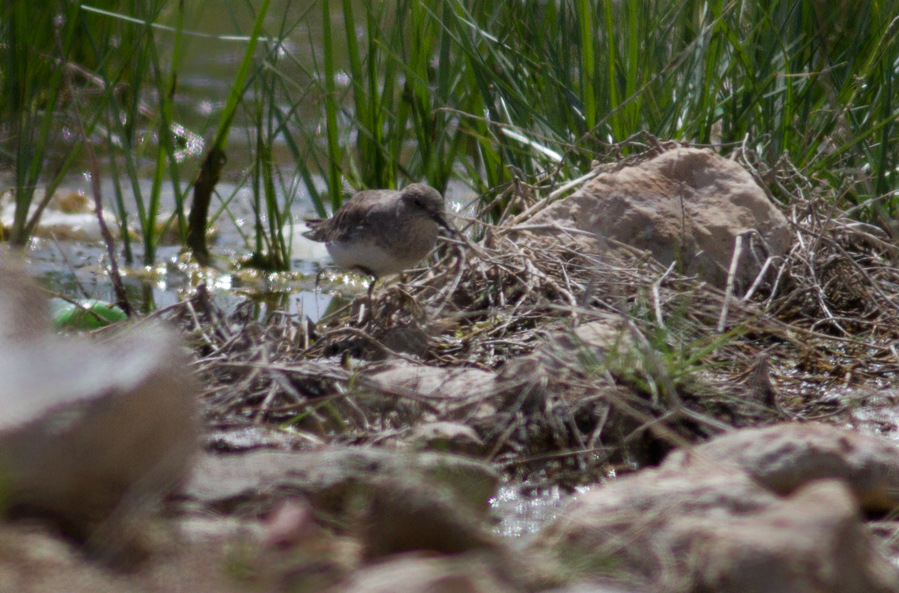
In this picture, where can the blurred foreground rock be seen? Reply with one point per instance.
(687, 205)
(395, 507)
(408, 515)
(91, 432)
(414, 573)
(332, 479)
(713, 518)
(785, 457)
(33, 559)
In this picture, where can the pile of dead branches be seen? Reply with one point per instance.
(821, 321)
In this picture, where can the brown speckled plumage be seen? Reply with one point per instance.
(382, 231)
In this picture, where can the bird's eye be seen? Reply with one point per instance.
(418, 203)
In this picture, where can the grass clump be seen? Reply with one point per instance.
(340, 97)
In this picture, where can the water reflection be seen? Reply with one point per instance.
(523, 514)
(302, 304)
(78, 270)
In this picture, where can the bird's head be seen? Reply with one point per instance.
(426, 201)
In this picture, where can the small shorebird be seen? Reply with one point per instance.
(382, 231)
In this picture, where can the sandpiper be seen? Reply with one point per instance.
(382, 231)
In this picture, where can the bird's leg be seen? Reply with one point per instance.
(318, 279)
(369, 300)
(371, 288)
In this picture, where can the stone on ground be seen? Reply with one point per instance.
(91, 432)
(785, 457)
(760, 510)
(686, 205)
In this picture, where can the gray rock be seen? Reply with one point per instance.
(331, 479)
(614, 530)
(34, 559)
(813, 542)
(412, 573)
(686, 205)
(90, 431)
(701, 522)
(785, 457)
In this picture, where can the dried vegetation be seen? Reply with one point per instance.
(813, 339)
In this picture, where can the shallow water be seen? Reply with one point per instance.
(520, 514)
(206, 70)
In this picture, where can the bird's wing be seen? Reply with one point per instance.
(357, 213)
(313, 232)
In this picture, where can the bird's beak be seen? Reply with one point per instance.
(440, 219)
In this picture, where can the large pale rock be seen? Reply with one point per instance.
(90, 431)
(412, 573)
(397, 502)
(616, 528)
(812, 542)
(330, 478)
(787, 456)
(686, 205)
(714, 518)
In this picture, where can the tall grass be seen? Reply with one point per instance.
(31, 90)
(376, 94)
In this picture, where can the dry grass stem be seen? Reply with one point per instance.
(686, 365)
